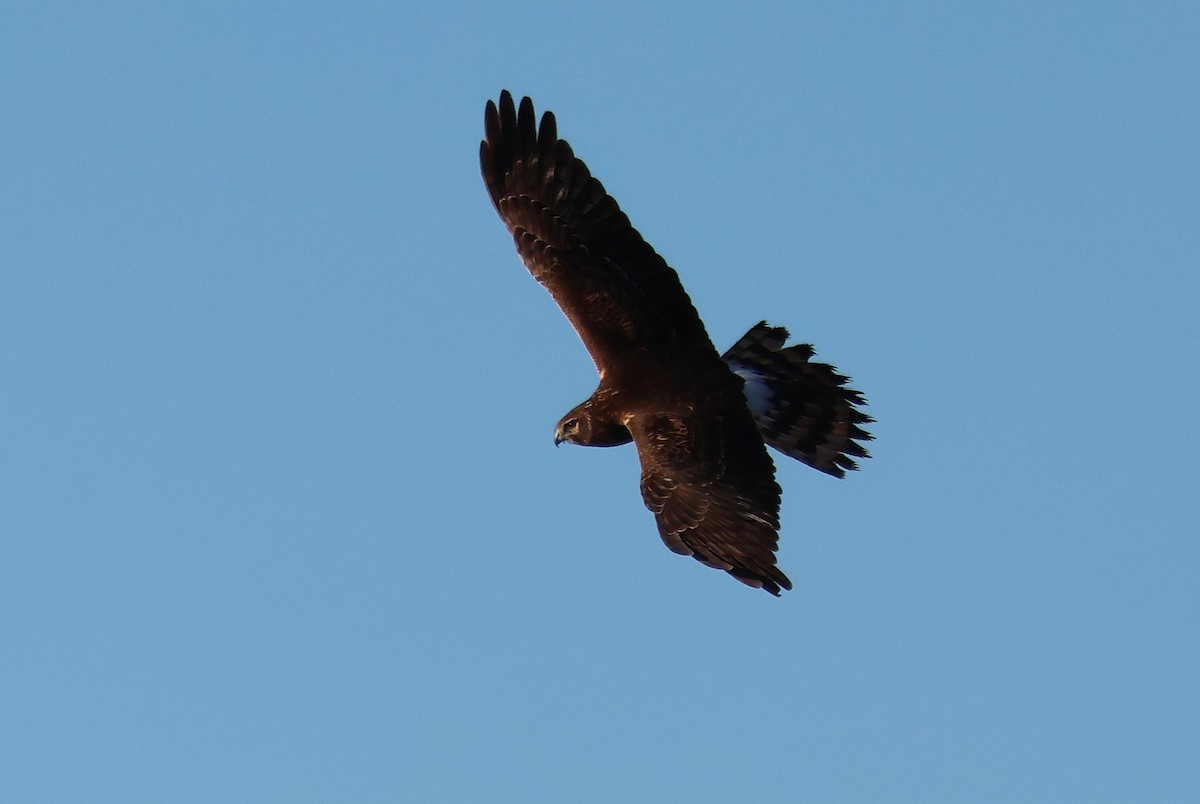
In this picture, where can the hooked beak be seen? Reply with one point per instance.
(558, 439)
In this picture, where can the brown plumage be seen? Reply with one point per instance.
(700, 422)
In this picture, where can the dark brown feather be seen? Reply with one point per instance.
(711, 486)
(616, 291)
(809, 414)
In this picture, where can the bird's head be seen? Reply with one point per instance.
(575, 427)
(581, 427)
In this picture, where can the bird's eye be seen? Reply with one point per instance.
(570, 425)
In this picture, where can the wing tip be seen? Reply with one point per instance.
(775, 582)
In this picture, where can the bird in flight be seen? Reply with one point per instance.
(701, 422)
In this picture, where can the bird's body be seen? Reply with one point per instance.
(700, 420)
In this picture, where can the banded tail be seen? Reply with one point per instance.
(803, 409)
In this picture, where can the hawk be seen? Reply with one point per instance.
(700, 421)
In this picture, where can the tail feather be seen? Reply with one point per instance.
(803, 409)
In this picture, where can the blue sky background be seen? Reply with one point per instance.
(281, 517)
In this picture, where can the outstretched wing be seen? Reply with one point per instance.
(616, 291)
(711, 486)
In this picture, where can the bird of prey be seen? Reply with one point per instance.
(700, 421)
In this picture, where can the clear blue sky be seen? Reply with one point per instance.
(281, 517)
